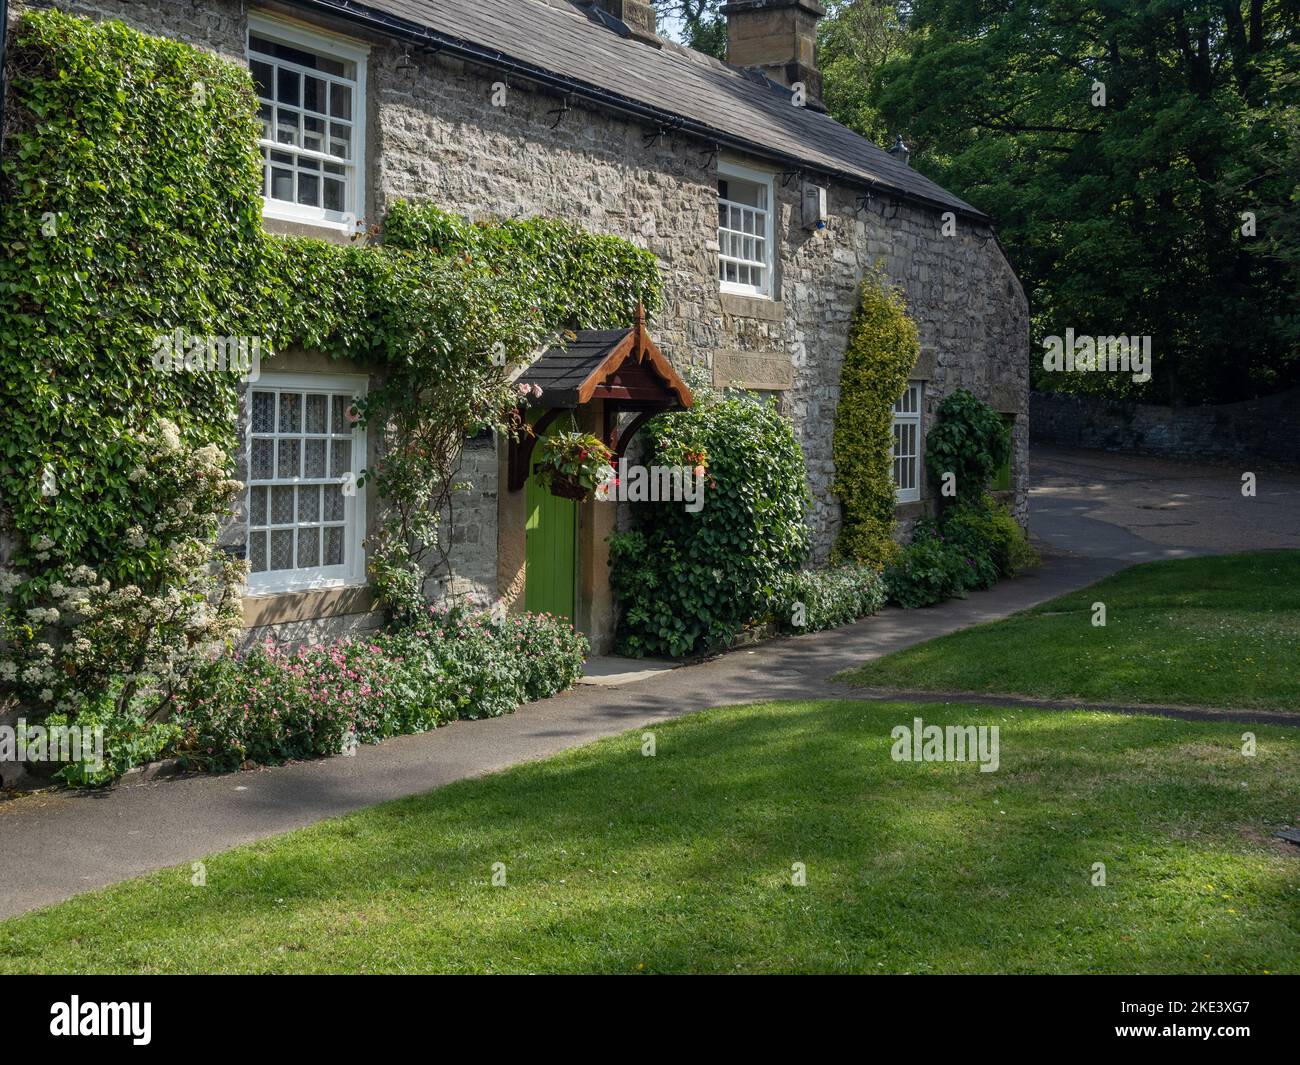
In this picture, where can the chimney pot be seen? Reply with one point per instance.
(779, 37)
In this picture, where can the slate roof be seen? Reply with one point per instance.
(705, 97)
(560, 371)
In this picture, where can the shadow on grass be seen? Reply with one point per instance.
(684, 861)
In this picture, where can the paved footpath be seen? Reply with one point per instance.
(58, 844)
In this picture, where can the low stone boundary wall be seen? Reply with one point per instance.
(1265, 429)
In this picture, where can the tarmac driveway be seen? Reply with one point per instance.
(1104, 504)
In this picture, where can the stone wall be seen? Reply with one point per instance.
(1265, 429)
(473, 528)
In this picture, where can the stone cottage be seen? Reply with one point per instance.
(762, 210)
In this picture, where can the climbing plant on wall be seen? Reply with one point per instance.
(131, 209)
(537, 277)
(443, 309)
(882, 350)
(117, 224)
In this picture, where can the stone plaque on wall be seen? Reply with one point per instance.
(763, 370)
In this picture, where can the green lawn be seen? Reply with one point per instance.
(1205, 632)
(617, 862)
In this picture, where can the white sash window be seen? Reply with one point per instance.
(907, 444)
(306, 516)
(310, 89)
(745, 199)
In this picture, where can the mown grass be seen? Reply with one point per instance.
(682, 862)
(1219, 631)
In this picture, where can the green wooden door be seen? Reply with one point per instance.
(550, 551)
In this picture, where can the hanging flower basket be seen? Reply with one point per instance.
(568, 487)
(572, 464)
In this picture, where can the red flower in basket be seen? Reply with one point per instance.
(573, 464)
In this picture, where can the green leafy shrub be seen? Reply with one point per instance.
(130, 738)
(486, 666)
(972, 547)
(989, 529)
(474, 664)
(261, 708)
(426, 696)
(968, 440)
(551, 651)
(930, 569)
(689, 581)
(810, 600)
(881, 352)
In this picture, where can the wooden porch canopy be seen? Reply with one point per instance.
(624, 367)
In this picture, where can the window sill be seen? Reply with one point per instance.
(762, 307)
(321, 217)
(305, 227)
(278, 608)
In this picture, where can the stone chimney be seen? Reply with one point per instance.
(779, 37)
(639, 15)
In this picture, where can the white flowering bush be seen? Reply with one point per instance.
(69, 634)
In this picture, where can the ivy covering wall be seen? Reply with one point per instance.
(122, 218)
(881, 352)
(131, 207)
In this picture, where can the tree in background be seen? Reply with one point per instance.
(1139, 159)
(854, 42)
(698, 22)
(1281, 220)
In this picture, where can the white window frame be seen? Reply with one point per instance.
(913, 397)
(353, 570)
(734, 171)
(335, 48)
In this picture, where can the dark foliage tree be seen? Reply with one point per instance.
(702, 26)
(1127, 152)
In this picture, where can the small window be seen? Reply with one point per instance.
(907, 444)
(305, 512)
(744, 231)
(310, 94)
